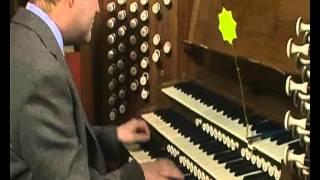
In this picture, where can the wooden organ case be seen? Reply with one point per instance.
(167, 60)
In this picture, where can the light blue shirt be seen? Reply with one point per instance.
(52, 25)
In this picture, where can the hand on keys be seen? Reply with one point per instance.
(161, 169)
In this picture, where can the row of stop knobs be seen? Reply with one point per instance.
(133, 7)
(300, 92)
(122, 93)
(119, 65)
(144, 46)
(133, 85)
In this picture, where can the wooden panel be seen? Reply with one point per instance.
(185, 9)
(87, 86)
(81, 69)
(74, 63)
(98, 67)
(263, 29)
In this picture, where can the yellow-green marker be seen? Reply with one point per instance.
(227, 26)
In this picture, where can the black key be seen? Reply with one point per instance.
(236, 164)
(285, 138)
(280, 134)
(229, 157)
(215, 150)
(245, 170)
(212, 143)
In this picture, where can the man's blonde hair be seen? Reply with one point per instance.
(46, 5)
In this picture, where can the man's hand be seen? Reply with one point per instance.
(161, 169)
(133, 131)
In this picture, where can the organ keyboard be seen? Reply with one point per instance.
(202, 156)
(228, 117)
(216, 142)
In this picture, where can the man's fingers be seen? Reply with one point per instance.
(142, 133)
(141, 137)
(176, 174)
(141, 126)
(145, 127)
(173, 173)
(162, 178)
(169, 169)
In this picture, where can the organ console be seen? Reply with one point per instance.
(211, 120)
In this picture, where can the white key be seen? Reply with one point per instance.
(138, 154)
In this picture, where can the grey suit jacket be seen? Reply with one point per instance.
(50, 137)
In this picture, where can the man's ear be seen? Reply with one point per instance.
(71, 3)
